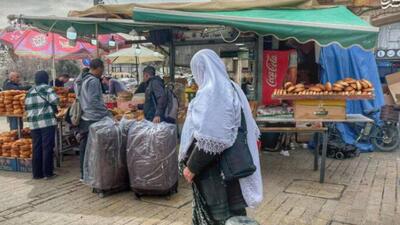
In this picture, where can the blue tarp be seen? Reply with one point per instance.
(338, 63)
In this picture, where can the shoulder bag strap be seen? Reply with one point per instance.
(243, 124)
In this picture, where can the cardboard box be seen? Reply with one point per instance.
(393, 81)
(306, 137)
(24, 165)
(320, 109)
(8, 163)
(388, 99)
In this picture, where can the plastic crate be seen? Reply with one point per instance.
(8, 164)
(389, 113)
(24, 165)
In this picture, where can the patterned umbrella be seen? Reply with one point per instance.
(32, 43)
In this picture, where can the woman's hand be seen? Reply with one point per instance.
(188, 175)
(157, 119)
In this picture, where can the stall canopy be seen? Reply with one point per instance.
(91, 26)
(323, 25)
(83, 26)
(124, 11)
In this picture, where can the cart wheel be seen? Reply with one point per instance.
(339, 155)
(331, 154)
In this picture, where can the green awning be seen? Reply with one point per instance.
(325, 25)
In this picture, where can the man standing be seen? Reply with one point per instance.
(60, 81)
(89, 91)
(114, 86)
(13, 83)
(155, 98)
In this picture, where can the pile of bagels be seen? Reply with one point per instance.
(12, 102)
(347, 86)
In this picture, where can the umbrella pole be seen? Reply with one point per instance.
(53, 61)
(97, 41)
(137, 69)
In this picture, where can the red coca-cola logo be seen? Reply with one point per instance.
(271, 65)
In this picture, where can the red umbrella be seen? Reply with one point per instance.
(32, 43)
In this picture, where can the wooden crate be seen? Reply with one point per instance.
(320, 109)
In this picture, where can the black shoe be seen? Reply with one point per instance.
(37, 178)
(51, 177)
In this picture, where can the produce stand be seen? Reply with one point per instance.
(350, 118)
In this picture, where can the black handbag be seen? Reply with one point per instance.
(236, 162)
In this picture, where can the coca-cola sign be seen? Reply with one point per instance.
(271, 65)
(275, 66)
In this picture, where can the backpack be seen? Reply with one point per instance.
(74, 112)
(171, 111)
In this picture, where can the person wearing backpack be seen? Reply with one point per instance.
(41, 108)
(155, 99)
(89, 91)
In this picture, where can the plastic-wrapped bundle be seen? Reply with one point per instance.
(105, 158)
(152, 158)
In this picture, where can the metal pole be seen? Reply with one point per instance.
(97, 40)
(259, 67)
(53, 61)
(137, 69)
(172, 58)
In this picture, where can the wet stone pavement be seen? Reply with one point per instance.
(358, 191)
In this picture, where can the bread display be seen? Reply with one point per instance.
(63, 96)
(118, 114)
(12, 102)
(11, 147)
(345, 87)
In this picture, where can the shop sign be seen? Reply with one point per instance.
(275, 66)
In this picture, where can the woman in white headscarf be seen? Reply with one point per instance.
(211, 126)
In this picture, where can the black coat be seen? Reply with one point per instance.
(9, 85)
(155, 99)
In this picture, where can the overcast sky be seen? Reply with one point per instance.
(54, 7)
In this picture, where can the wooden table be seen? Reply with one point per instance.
(350, 118)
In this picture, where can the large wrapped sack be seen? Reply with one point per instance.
(105, 158)
(152, 158)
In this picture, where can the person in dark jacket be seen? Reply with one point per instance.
(60, 81)
(13, 83)
(141, 88)
(155, 98)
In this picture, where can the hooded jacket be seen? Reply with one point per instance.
(89, 91)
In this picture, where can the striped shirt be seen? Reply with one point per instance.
(38, 106)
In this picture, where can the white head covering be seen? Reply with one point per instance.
(213, 118)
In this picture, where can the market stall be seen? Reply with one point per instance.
(258, 27)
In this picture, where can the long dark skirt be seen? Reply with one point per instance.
(214, 200)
